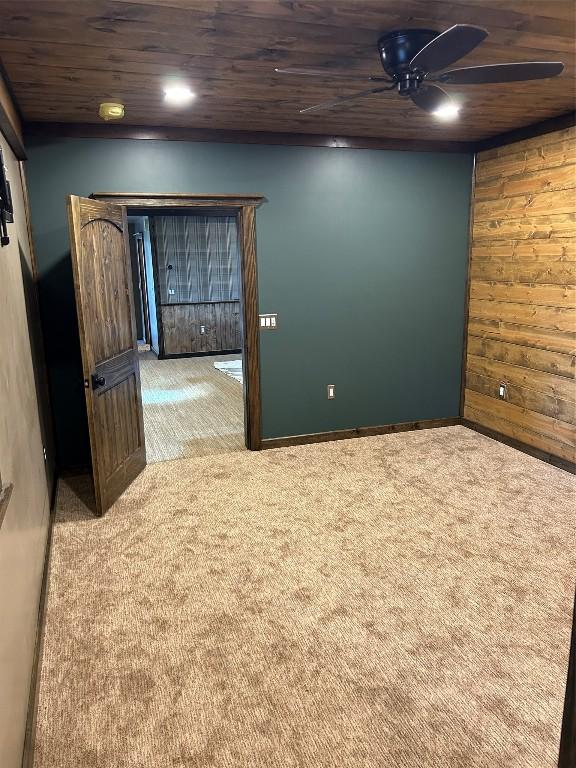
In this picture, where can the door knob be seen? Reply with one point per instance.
(97, 381)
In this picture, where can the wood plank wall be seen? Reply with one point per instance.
(181, 327)
(522, 311)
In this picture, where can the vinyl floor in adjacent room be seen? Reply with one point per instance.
(190, 408)
(401, 601)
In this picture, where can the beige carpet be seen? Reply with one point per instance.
(386, 602)
(190, 408)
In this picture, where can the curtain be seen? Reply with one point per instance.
(198, 258)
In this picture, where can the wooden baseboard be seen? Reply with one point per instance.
(30, 734)
(180, 355)
(346, 434)
(537, 453)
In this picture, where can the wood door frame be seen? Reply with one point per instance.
(144, 289)
(138, 265)
(244, 207)
(156, 281)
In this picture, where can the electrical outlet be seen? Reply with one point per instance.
(202, 329)
(171, 291)
(331, 390)
(502, 391)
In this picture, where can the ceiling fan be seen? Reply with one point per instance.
(411, 57)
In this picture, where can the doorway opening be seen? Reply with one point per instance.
(186, 281)
(105, 297)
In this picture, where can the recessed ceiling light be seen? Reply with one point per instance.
(448, 111)
(178, 94)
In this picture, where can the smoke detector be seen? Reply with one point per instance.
(110, 110)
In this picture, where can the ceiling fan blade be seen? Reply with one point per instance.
(308, 72)
(358, 95)
(327, 73)
(448, 47)
(431, 98)
(502, 73)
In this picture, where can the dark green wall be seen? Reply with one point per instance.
(362, 254)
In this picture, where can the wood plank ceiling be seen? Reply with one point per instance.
(63, 58)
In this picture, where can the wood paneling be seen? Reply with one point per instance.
(557, 318)
(524, 356)
(522, 318)
(548, 151)
(527, 446)
(509, 426)
(525, 252)
(549, 273)
(563, 410)
(541, 381)
(181, 327)
(554, 295)
(65, 58)
(501, 188)
(542, 338)
(526, 227)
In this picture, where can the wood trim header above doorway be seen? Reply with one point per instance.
(244, 205)
(178, 200)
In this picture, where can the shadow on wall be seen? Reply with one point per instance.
(66, 376)
(38, 362)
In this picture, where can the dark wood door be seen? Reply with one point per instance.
(104, 300)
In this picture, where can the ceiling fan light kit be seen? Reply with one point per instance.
(412, 57)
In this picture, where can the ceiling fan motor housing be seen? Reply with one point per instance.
(397, 49)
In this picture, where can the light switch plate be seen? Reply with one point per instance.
(268, 322)
(331, 390)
